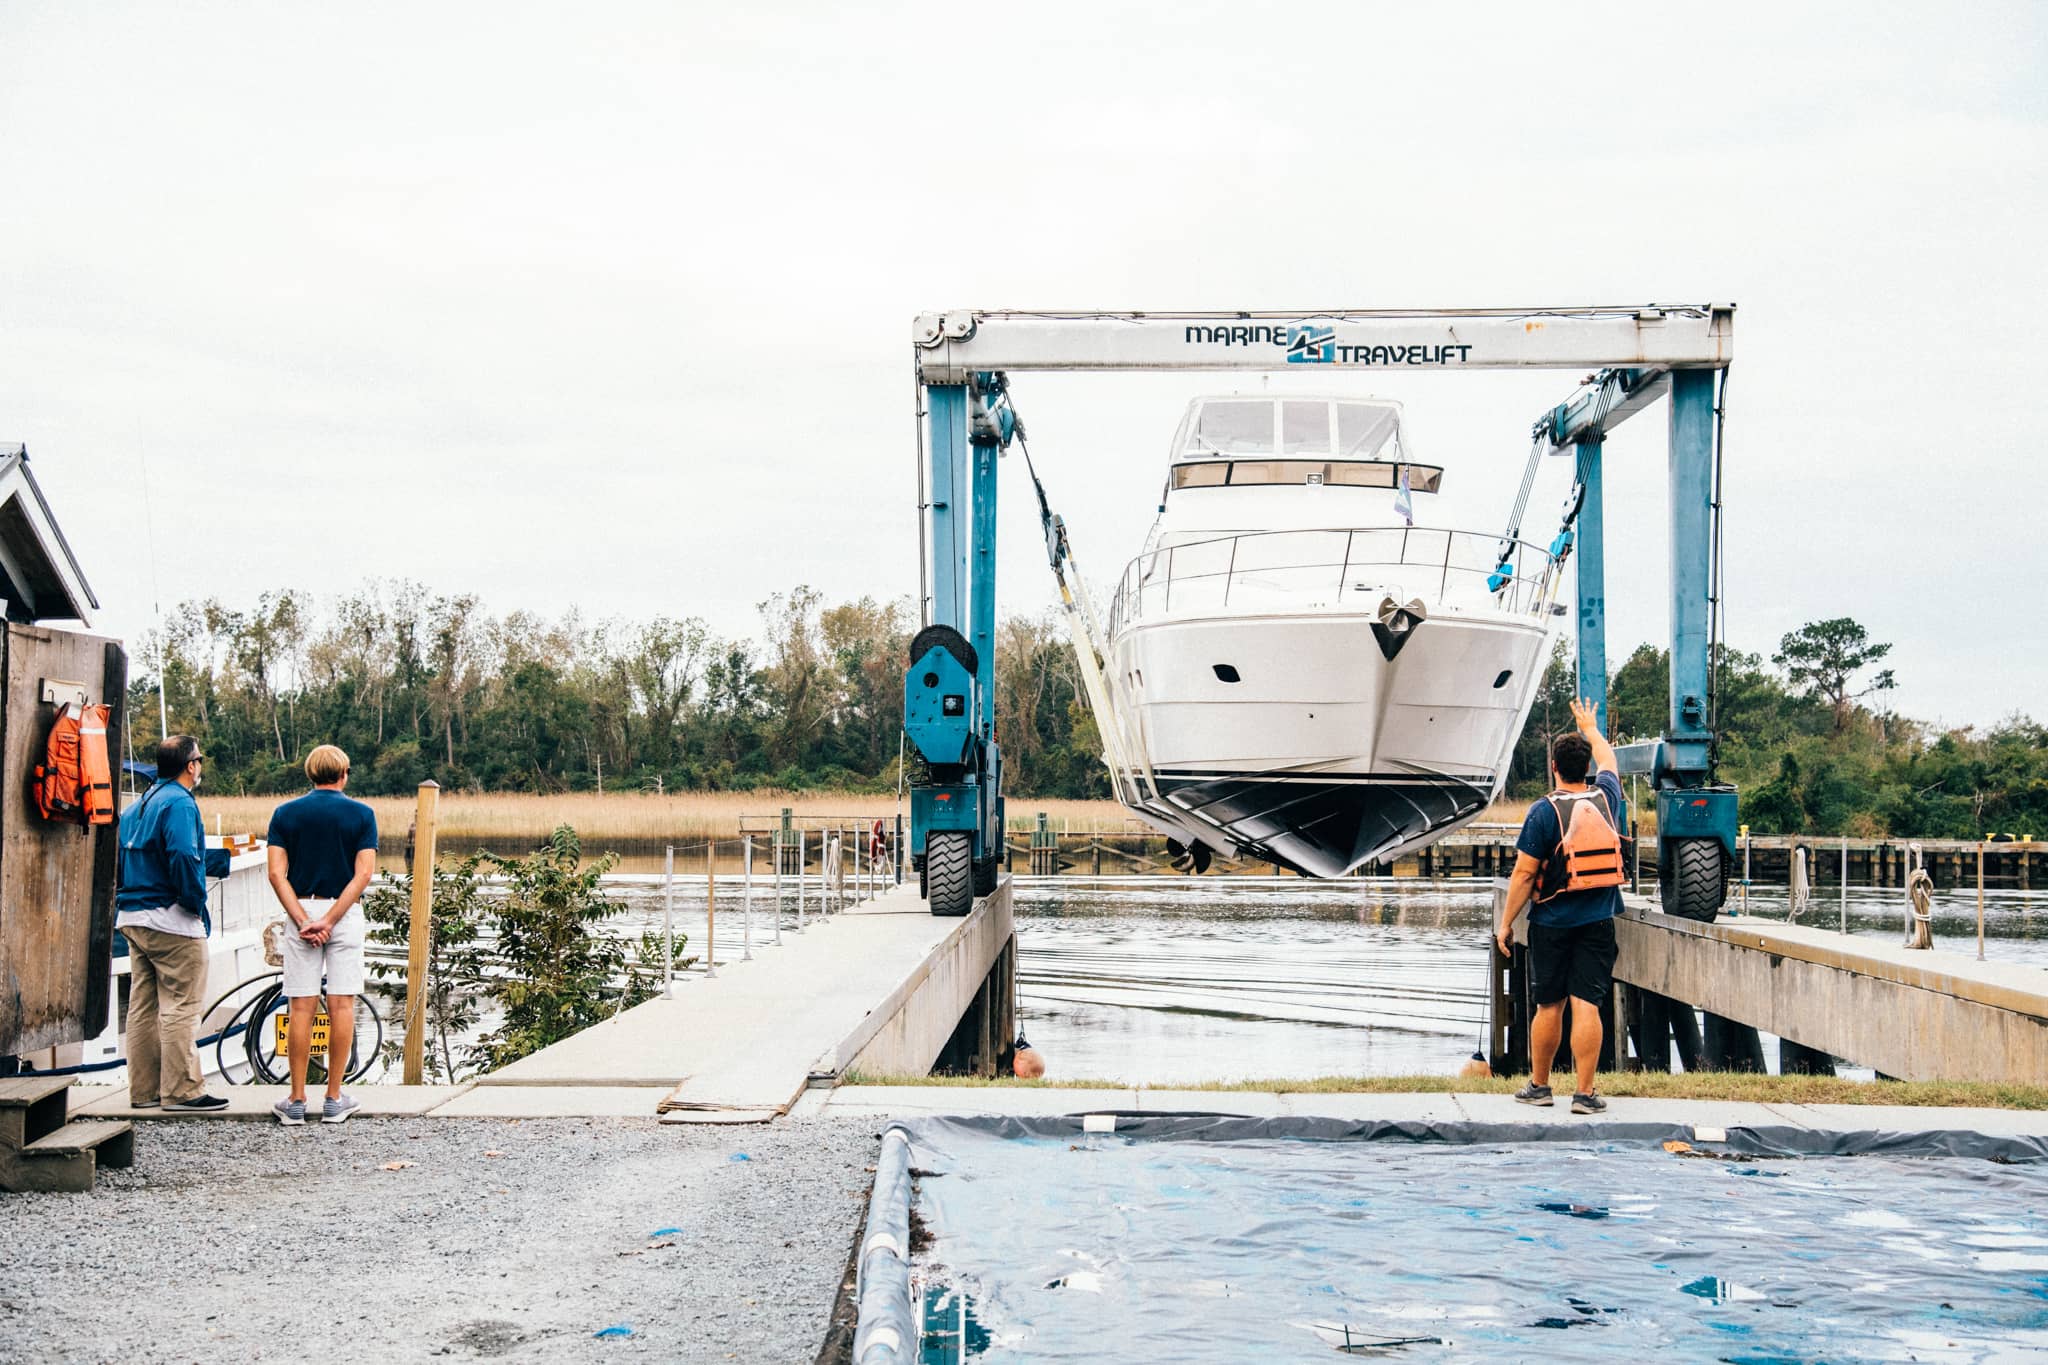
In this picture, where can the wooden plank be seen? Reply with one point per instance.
(19, 1092)
(48, 916)
(80, 1135)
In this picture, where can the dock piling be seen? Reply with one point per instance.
(420, 932)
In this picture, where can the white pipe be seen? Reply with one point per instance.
(802, 852)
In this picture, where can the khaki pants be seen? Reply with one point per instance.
(166, 991)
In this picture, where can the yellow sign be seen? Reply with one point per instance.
(284, 1027)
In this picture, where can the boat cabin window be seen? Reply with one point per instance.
(1238, 427)
(1422, 478)
(1344, 429)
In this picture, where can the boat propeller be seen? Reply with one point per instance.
(1194, 859)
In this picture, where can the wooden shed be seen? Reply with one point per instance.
(56, 880)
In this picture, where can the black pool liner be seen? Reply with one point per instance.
(939, 1149)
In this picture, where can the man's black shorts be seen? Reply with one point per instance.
(1578, 961)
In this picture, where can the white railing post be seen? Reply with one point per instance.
(746, 909)
(710, 909)
(802, 852)
(668, 923)
(1845, 884)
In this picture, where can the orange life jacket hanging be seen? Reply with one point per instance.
(75, 783)
(1588, 854)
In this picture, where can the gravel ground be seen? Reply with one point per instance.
(513, 1239)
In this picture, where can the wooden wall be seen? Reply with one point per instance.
(56, 880)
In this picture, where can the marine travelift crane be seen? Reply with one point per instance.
(1634, 355)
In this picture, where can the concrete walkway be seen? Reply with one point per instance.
(743, 1045)
(913, 1101)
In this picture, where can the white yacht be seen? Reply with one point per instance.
(1296, 669)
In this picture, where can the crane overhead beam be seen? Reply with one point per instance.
(952, 346)
(1609, 398)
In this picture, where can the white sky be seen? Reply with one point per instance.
(609, 305)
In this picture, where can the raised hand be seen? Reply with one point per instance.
(1587, 717)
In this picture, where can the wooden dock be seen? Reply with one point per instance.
(1914, 1014)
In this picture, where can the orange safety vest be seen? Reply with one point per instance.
(74, 783)
(1588, 852)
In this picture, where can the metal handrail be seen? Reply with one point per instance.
(1520, 591)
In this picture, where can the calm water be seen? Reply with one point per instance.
(1048, 1248)
(1160, 981)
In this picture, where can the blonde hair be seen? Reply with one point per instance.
(326, 765)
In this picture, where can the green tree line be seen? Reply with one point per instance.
(1802, 739)
(416, 684)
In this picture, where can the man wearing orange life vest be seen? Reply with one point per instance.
(1568, 864)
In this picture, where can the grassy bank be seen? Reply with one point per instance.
(1701, 1085)
(681, 816)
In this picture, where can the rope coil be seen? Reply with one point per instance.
(1919, 901)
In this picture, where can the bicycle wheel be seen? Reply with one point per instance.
(268, 1064)
(369, 1042)
(238, 1022)
(271, 1064)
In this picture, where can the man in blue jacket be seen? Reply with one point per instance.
(161, 911)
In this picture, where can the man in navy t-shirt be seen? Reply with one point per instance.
(1571, 933)
(323, 853)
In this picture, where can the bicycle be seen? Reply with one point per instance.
(261, 1025)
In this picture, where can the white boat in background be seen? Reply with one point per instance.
(1293, 670)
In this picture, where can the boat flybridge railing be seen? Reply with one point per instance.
(1335, 569)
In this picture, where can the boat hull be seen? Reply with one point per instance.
(1301, 738)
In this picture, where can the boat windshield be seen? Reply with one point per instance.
(1333, 428)
(1422, 478)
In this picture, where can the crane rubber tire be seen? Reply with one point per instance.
(986, 875)
(949, 872)
(1698, 879)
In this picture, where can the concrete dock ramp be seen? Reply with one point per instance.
(882, 986)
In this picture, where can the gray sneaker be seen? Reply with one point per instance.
(290, 1113)
(1588, 1104)
(1533, 1093)
(336, 1109)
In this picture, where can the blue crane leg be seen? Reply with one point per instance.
(1691, 492)
(1592, 551)
(982, 589)
(952, 516)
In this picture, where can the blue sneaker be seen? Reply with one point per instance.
(336, 1109)
(290, 1113)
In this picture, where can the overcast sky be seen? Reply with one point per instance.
(609, 306)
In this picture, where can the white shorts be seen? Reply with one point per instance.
(340, 959)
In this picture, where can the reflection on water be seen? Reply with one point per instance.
(1233, 978)
(1159, 981)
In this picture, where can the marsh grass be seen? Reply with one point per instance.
(644, 815)
(513, 816)
(1698, 1085)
